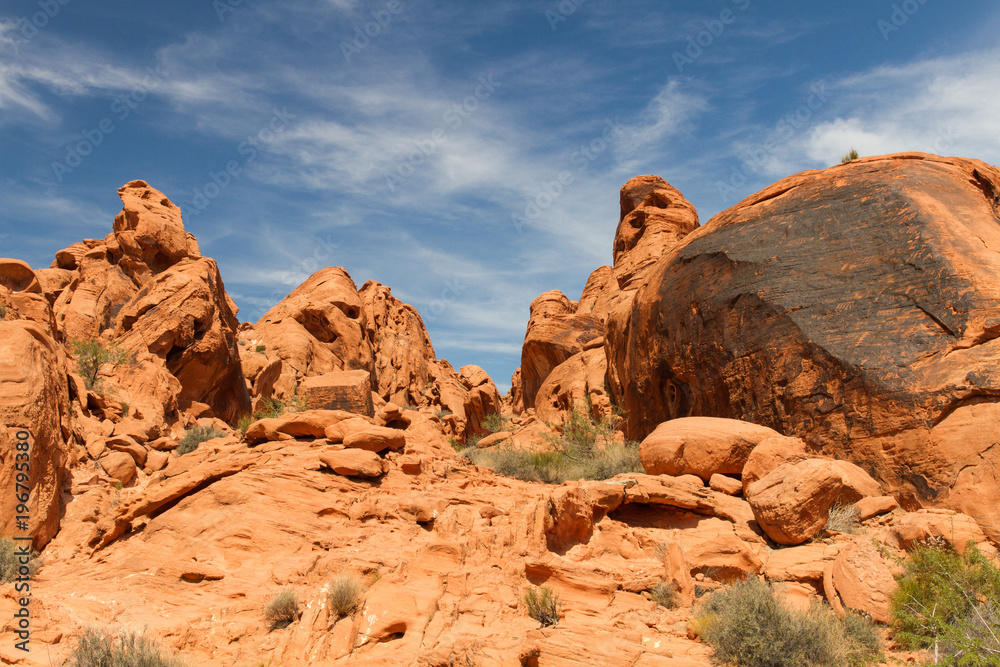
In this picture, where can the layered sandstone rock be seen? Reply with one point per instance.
(856, 307)
(34, 411)
(183, 319)
(400, 345)
(319, 328)
(556, 331)
(655, 216)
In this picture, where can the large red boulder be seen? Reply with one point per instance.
(857, 307)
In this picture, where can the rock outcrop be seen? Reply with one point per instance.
(856, 307)
(35, 429)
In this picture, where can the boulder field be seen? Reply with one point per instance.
(809, 375)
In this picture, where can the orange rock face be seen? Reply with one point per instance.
(34, 409)
(702, 446)
(400, 344)
(185, 320)
(319, 328)
(855, 307)
(654, 217)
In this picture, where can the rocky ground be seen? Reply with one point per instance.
(829, 341)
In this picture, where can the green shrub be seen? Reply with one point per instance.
(851, 156)
(441, 414)
(282, 609)
(543, 605)
(195, 436)
(749, 627)
(260, 349)
(345, 594)
(271, 408)
(585, 448)
(556, 467)
(3, 311)
(97, 648)
(92, 355)
(496, 422)
(844, 519)
(9, 563)
(950, 602)
(664, 595)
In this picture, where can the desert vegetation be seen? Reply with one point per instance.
(345, 595)
(93, 355)
(282, 609)
(195, 436)
(584, 448)
(748, 626)
(270, 408)
(949, 603)
(9, 563)
(543, 605)
(849, 157)
(98, 648)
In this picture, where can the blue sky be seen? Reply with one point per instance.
(468, 155)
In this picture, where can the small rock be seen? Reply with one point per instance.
(725, 484)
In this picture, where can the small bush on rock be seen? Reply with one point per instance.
(850, 157)
(282, 609)
(345, 595)
(10, 561)
(93, 355)
(749, 627)
(664, 595)
(844, 519)
(543, 605)
(951, 603)
(97, 648)
(195, 436)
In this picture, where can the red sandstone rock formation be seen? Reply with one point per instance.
(856, 307)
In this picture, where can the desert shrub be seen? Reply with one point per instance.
(195, 436)
(97, 648)
(584, 448)
(664, 595)
(9, 561)
(282, 609)
(844, 519)
(441, 414)
(271, 408)
(93, 355)
(543, 605)
(260, 349)
(496, 422)
(3, 311)
(345, 594)
(851, 156)
(950, 602)
(556, 467)
(749, 627)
